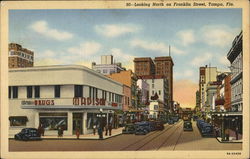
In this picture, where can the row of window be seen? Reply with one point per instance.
(21, 54)
(78, 92)
(159, 92)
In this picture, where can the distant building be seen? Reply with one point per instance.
(197, 99)
(19, 56)
(162, 67)
(207, 74)
(129, 79)
(107, 65)
(144, 88)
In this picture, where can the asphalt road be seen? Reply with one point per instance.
(170, 139)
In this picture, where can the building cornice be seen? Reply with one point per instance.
(63, 67)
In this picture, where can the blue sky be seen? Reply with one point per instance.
(197, 36)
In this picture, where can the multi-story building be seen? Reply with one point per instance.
(129, 79)
(19, 56)
(144, 66)
(45, 95)
(223, 98)
(235, 56)
(207, 74)
(144, 88)
(160, 67)
(107, 65)
(159, 85)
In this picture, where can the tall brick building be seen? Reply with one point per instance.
(160, 67)
(19, 56)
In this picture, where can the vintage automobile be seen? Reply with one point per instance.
(129, 129)
(195, 118)
(170, 121)
(142, 128)
(187, 126)
(28, 134)
(175, 118)
(159, 125)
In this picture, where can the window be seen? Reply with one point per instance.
(52, 121)
(153, 80)
(57, 91)
(78, 91)
(109, 96)
(18, 120)
(90, 92)
(159, 92)
(9, 91)
(92, 120)
(104, 71)
(15, 92)
(153, 93)
(153, 86)
(29, 91)
(37, 91)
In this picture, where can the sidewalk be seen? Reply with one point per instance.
(231, 140)
(115, 132)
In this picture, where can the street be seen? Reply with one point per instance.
(172, 138)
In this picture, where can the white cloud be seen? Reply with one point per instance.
(218, 35)
(155, 46)
(86, 48)
(125, 58)
(117, 53)
(115, 30)
(45, 54)
(42, 28)
(201, 60)
(186, 37)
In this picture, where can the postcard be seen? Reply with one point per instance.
(125, 79)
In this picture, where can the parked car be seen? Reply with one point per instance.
(195, 118)
(170, 121)
(159, 125)
(187, 126)
(152, 125)
(28, 134)
(175, 118)
(142, 128)
(129, 129)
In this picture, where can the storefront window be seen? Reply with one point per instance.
(52, 121)
(18, 120)
(92, 120)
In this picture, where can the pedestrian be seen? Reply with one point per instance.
(42, 130)
(227, 134)
(59, 131)
(106, 130)
(77, 133)
(110, 129)
(39, 129)
(100, 132)
(94, 129)
(237, 133)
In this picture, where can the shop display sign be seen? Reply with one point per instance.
(38, 102)
(88, 101)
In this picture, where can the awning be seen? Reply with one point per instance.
(18, 117)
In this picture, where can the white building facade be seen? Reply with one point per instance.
(71, 97)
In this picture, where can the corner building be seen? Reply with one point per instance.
(68, 96)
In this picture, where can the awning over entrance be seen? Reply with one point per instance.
(68, 107)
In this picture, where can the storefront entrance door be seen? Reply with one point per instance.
(77, 122)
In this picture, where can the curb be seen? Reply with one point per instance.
(56, 138)
(225, 142)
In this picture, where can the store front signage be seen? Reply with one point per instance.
(88, 101)
(38, 102)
